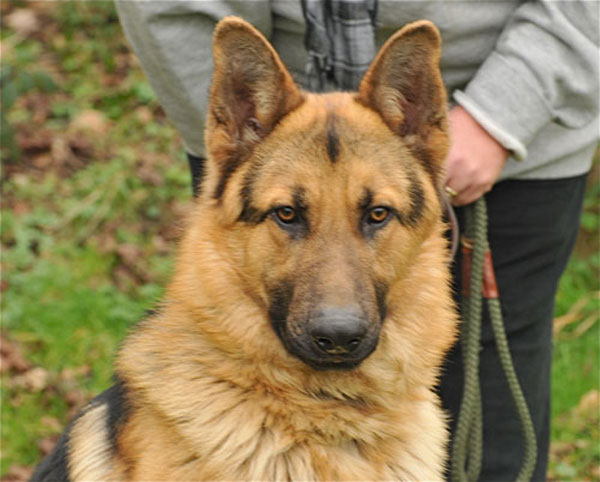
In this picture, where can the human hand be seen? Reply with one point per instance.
(475, 159)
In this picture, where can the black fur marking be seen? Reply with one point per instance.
(118, 409)
(242, 112)
(280, 298)
(300, 229)
(333, 141)
(54, 468)
(381, 290)
(249, 214)
(227, 171)
(197, 168)
(417, 203)
(300, 198)
(366, 200)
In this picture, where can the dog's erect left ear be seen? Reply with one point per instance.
(251, 91)
(405, 86)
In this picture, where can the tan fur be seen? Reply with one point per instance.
(90, 450)
(214, 393)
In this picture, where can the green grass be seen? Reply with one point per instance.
(578, 283)
(576, 368)
(74, 205)
(88, 237)
(66, 313)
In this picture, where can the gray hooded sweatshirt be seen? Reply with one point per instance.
(527, 71)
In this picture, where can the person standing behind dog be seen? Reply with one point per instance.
(523, 77)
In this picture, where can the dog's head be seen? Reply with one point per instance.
(319, 204)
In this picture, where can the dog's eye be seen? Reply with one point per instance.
(378, 215)
(286, 214)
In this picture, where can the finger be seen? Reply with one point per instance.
(469, 195)
(457, 183)
(458, 177)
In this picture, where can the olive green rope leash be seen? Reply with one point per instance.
(467, 448)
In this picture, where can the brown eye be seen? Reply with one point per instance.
(378, 215)
(286, 214)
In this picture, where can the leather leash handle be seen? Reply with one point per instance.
(490, 287)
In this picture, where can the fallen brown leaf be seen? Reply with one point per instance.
(149, 175)
(129, 253)
(18, 473)
(47, 444)
(589, 405)
(11, 358)
(81, 146)
(61, 152)
(132, 258)
(23, 21)
(35, 379)
(144, 114)
(36, 140)
(161, 245)
(51, 423)
(21, 207)
(70, 374)
(41, 161)
(124, 278)
(90, 120)
(559, 449)
(76, 398)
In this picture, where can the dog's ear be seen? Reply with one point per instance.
(251, 91)
(405, 86)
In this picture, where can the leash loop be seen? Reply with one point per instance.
(478, 283)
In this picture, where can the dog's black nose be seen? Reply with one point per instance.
(338, 331)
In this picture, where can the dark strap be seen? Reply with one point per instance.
(340, 41)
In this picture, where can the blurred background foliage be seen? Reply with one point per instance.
(94, 189)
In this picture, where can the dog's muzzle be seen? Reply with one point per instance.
(333, 338)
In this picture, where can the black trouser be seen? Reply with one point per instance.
(532, 229)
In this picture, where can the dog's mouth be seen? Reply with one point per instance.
(343, 365)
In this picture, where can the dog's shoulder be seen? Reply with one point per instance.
(92, 436)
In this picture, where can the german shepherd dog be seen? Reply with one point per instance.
(302, 335)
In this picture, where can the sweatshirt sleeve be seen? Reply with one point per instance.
(173, 40)
(544, 69)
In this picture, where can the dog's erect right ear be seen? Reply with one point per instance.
(405, 86)
(251, 91)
